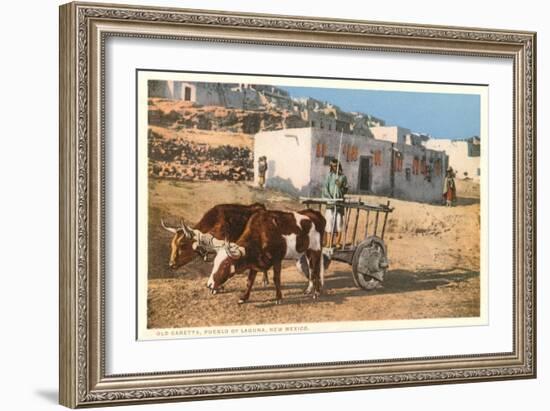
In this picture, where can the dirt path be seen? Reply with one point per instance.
(433, 252)
(184, 302)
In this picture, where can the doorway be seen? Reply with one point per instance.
(187, 96)
(365, 173)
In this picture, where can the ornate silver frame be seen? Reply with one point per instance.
(83, 30)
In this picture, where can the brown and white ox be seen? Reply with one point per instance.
(269, 238)
(224, 221)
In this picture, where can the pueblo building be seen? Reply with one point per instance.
(298, 161)
(464, 155)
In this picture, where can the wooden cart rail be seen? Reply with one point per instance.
(351, 222)
(347, 204)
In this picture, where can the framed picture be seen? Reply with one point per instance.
(258, 204)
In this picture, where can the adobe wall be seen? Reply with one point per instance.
(297, 166)
(380, 181)
(288, 159)
(459, 159)
(393, 134)
(423, 187)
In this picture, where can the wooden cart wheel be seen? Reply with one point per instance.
(370, 263)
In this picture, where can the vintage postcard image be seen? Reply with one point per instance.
(270, 204)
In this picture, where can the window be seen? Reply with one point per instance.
(397, 161)
(350, 152)
(437, 167)
(378, 158)
(321, 150)
(474, 150)
(416, 166)
(428, 173)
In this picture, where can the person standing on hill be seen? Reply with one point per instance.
(449, 188)
(335, 187)
(262, 169)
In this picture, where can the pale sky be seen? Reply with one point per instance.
(441, 115)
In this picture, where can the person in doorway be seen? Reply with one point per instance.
(335, 188)
(262, 169)
(449, 188)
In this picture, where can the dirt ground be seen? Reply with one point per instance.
(433, 252)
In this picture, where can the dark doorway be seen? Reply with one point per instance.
(364, 173)
(187, 93)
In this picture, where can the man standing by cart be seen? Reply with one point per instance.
(335, 188)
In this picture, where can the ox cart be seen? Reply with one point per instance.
(362, 235)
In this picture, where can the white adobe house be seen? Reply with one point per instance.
(394, 134)
(298, 161)
(239, 96)
(464, 155)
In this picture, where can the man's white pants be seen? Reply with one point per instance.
(334, 219)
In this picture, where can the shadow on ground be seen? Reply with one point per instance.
(463, 201)
(50, 395)
(339, 285)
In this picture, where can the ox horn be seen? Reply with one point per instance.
(187, 231)
(170, 229)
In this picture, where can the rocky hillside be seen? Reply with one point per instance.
(180, 115)
(181, 159)
(193, 142)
